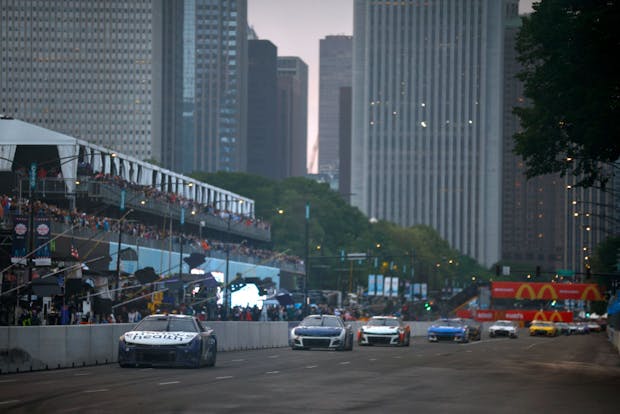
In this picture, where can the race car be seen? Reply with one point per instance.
(384, 330)
(504, 328)
(543, 328)
(322, 331)
(448, 329)
(168, 340)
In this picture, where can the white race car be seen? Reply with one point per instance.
(384, 330)
(504, 328)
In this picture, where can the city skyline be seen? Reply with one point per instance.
(296, 27)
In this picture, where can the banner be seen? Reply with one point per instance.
(516, 315)
(20, 240)
(387, 286)
(379, 285)
(423, 291)
(545, 291)
(371, 285)
(394, 287)
(42, 255)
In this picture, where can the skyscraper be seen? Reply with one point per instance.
(84, 68)
(336, 61)
(292, 116)
(427, 117)
(205, 85)
(262, 105)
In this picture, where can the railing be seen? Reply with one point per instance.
(165, 245)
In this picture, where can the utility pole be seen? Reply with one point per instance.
(306, 260)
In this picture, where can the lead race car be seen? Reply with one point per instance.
(322, 331)
(384, 330)
(168, 340)
(448, 330)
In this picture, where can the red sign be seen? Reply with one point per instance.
(537, 290)
(516, 315)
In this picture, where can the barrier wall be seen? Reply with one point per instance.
(35, 348)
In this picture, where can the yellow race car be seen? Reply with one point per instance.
(543, 328)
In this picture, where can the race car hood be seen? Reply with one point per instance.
(380, 330)
(159, 338)
(501, 328)
(445, 329)
(317, 331)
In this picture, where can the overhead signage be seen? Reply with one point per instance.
(545, 291)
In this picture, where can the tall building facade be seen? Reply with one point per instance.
(335, 72)
(344, 143)
(85, 68)
(262, 106)
(427, 117)
(292, 116)
(205, 84)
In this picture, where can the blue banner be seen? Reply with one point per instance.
(371, 285)
(379, 285)
(122, 205)
(20, 239)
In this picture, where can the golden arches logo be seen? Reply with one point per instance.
(556, 317)
(529, 288)
(595, 292)
(547, 287)
(539, 316)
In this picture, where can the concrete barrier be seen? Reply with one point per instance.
(35, 348)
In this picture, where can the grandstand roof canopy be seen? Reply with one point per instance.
(73, 151)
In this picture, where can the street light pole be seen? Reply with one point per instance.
(226, 277)
(307, 267)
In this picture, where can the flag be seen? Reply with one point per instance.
(74, 251)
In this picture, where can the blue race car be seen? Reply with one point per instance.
(322, 331)
(448, 330)
(168, 340)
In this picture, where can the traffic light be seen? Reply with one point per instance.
(588, 272)
(194, 260)
(427, 306)
(537, 271)
(497, 270)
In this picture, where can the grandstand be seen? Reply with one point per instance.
(98, 202)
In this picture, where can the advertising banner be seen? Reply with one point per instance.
(371, 285)
(545, 291)
(423, 291)
(387, 286)
(20, 239)
(394, 287)
(517, 315)
(42, 255)
(379, 285)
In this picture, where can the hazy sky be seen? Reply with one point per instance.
(296, 27)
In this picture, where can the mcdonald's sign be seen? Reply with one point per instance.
(546, 291)
(518, 315)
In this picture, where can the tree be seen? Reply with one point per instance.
(566, 49)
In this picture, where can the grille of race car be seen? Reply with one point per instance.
(379, 340)
(316, 342)
(156, 354)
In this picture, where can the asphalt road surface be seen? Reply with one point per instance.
(566, 374)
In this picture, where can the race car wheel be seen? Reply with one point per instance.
(211, 354)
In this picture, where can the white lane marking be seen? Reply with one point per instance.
(169, 382)
(372, 359)
(273, 356)
(531, 346)
(237, 360)
(224, 377)
(146, 369)
(82, 374)
(272, 372)
(96, 390)
(311, 366)
(345, 362)
(469, 350)
(5, 381)
(397, 357)
(9, 402)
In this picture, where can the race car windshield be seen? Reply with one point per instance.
(318, 321)
(503, 323)
(164, 325)
(448, 323)
(383, 322)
